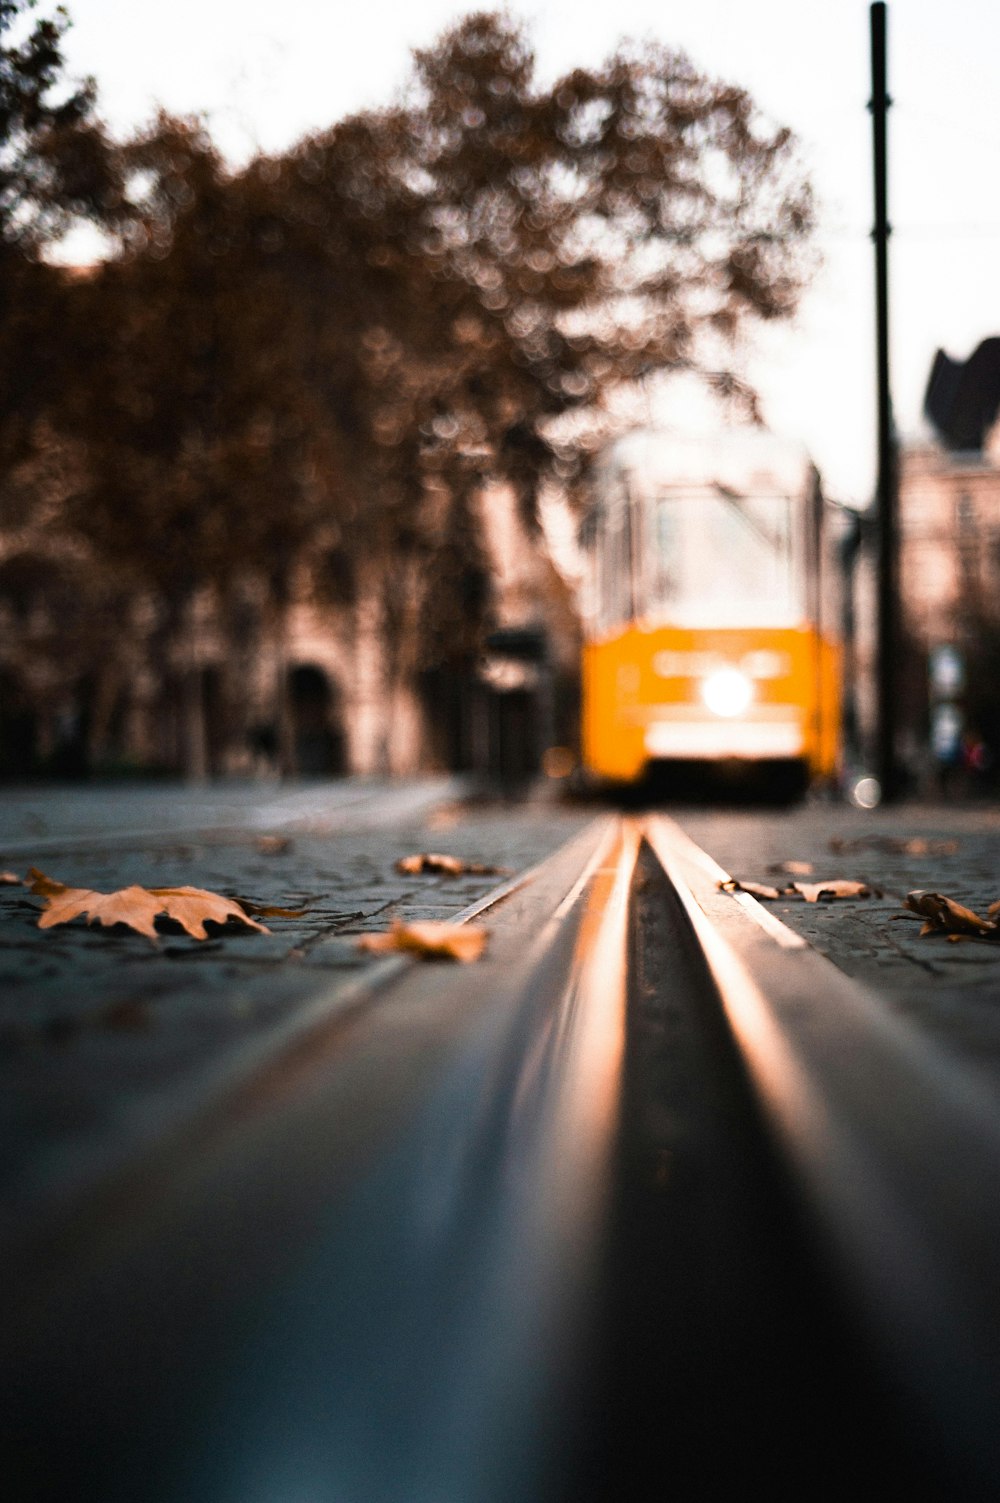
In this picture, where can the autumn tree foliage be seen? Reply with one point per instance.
(625, 221)
(56, 167)
(299, 373)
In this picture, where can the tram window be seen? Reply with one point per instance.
(722, 559)
(614, 588)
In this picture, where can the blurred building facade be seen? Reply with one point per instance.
(949, 577)
(91, 683)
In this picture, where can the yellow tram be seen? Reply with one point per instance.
(710, 627)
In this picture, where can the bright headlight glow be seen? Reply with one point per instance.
(727, 692)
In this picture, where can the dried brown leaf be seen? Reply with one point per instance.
(137, 907)
(943, 915)
(428, 861)
(835, 887)
(431, 939)
(449, 866)
(133, 906)
(191, 906)
(755, 889)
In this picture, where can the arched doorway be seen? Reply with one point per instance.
(19, 753)
(317, 725)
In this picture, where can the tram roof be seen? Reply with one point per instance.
(740, 459)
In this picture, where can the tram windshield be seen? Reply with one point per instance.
(719, 559)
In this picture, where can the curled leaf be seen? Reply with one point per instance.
(270, 910)
(137, 907)
(755, 889)
(835, 887)
(431, 939)
(449, 866)
(943, 915)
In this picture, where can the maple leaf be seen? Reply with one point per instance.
(431, 939)
(137, 907)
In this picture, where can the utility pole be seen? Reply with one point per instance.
(886, 491)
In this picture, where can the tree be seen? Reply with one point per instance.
(200, 442)
(632, 219)
(56, 167)
(318, 359)
(539, 248)
(55, 163)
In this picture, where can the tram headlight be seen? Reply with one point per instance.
(727, 692)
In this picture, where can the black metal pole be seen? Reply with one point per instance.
(886, 484)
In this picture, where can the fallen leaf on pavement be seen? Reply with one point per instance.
(450, 866)
(10, 879)
(836, 887)
(137, 907)
(942, 915)
(755, 889)
(793, 868)
(431, 939)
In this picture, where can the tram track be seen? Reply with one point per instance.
(650, 1201)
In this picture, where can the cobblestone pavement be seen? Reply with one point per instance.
(101, 1031)
(950, 990)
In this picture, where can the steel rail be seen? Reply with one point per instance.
(894, 1148)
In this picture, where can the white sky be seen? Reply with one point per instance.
(266, 71)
